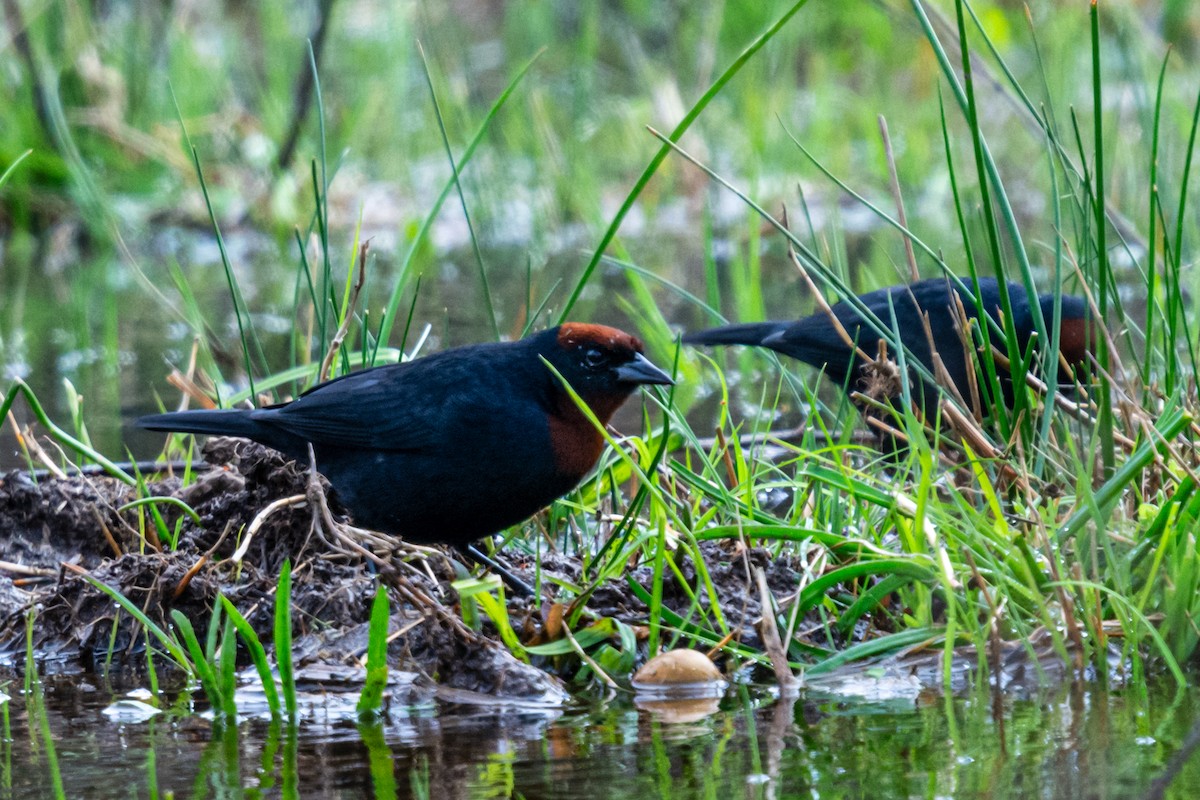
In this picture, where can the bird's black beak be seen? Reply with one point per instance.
(641, 371)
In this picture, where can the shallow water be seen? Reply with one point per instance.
(1062, 743)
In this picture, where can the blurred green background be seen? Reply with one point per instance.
(109, 267)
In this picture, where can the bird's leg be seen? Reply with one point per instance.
(349, 539)
(323, 521)
(518, 586)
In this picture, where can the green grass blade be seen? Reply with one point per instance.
(202, 668)
(488, 303)
(227, 670)
(166, 640)
(8, 173)
(258, 654)
(283, 638)
(370, 702)
(63, 437)
(393, 305)
(651, 168)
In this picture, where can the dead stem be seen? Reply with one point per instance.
(726, 458)
(21, 569)
(963, 324)
(107, 533)
(200, 562)
(1072, 408)
(336, 344)
(33, 450)
(349, 540)
(788, 685)
(260, 519)
(418, 599)
(186, 383)
(825, 307)
(579, 651)
(901, 217)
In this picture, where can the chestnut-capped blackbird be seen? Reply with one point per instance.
(454, 446)
(815, 340)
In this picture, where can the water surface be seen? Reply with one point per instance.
(1068, 742)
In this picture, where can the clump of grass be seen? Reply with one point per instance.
(57, 433)
(1032, 537)
(998, 546)
(258, 654)
(212, 662)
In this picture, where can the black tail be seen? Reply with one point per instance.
(221, 423)
(751, 333)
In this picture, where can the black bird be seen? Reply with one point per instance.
(453, 446)
(815, 340)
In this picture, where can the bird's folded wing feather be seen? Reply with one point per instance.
(816, 340)
(377, 409)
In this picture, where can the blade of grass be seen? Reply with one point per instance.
(166, 640)
(323, 193)
(692, 115)
(393, 306)
(258, 655)
(8, 173)
(202, 668)
(227, 669)
(462, 198)
(1172, 422)
(283, 638)
(20, 387)
(1103, 270)
(370, 702)
(246, 332)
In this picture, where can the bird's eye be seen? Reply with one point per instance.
(594, 357)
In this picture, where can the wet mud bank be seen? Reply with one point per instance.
(58, 533)
(61, 535)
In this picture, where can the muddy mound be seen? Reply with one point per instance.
(43, 523)
(62, 536)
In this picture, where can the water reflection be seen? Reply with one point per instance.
(1070, 742)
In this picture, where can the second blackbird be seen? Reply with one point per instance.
(815, 340)
(457, 445)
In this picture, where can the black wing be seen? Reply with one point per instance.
(406, 406)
